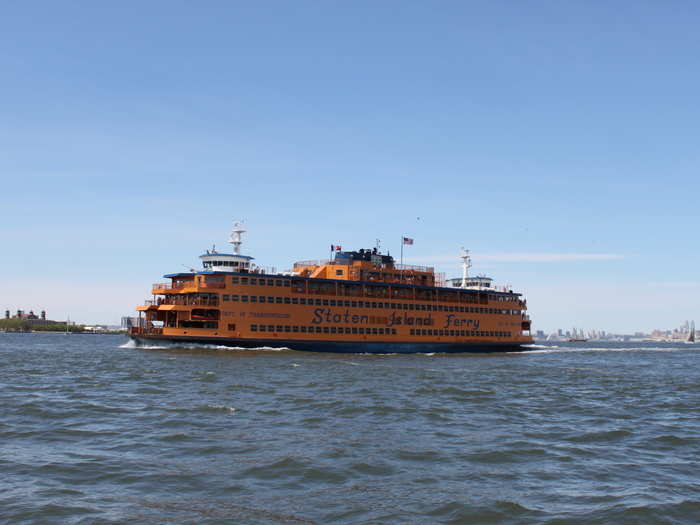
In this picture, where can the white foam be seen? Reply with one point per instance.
(559, 349)
(166, 345)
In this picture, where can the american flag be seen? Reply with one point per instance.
(407, 240)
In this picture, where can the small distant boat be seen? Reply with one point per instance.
(577, 337)
(691, 333)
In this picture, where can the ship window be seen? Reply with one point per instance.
(303, 329)
(332, 302)
(347, 304)
(253, 298)
(302, 300)
(318, 329)
(325, 302)
(244, 298)
(287, 300)
(393, 331)
(270, 299)
(339, 272)
(278, 300)
(326, 330)
(253, 328)
(253, 281)
(333, 330)
(412, 332)
(410, 306)
(354, 329)
(270, 328)
(244, 280)
(381, 331)
(287, 328)
(347, 329)
(287, 283)
(318, 302)
(234, 298)
(374, 331)
(278, 283)
(295, 300)
(263, 328)
(279, 328)
(234, 280)
(362, 330)
(226, 297)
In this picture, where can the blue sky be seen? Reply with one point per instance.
(556, 140)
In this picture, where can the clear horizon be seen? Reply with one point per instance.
(557, 142)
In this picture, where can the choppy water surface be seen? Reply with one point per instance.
(91, 432)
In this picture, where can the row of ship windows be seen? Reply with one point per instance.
(261, 281)
(322, 329)
(366, 304)
(461, 333)
(254, 281)
(375, 331)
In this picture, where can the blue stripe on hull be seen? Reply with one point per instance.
(342, 347)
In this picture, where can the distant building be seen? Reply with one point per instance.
(31, 317)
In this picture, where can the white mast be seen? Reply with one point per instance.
(236, 241)
(466, 264)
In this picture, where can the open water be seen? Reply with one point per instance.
(95, 432)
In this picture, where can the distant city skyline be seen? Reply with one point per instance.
(556, 141)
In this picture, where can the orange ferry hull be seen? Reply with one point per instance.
(338, 346)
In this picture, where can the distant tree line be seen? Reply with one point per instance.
(24, 325)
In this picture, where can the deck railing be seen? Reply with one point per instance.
(184, 300)
(146, 330)
(413, 267)
(314, 262)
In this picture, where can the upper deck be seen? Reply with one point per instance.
(368, 266)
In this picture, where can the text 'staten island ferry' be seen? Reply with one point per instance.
(360, 302)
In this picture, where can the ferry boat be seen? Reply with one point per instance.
(359, 302)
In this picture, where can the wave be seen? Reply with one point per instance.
(201, 346)
(540, 349)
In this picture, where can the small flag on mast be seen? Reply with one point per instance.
(407, 240)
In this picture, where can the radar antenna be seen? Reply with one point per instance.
(466, 264)
(236, 241)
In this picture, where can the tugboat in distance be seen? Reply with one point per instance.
(578, 337)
